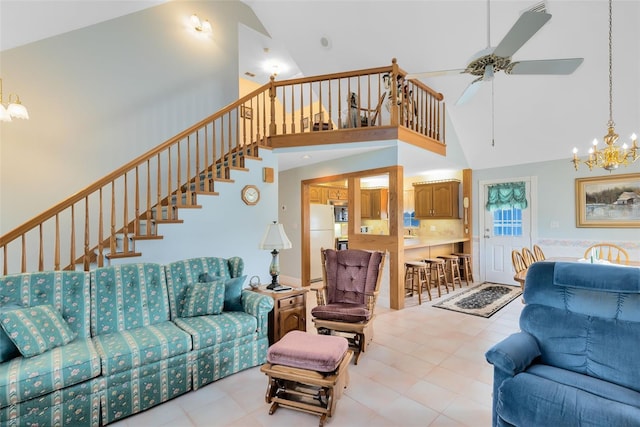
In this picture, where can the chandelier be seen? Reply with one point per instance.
(14, 109)
(611, 156)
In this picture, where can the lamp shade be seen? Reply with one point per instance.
(18, 111)
(275, 238)
(4, 114)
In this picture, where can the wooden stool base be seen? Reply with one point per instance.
(304, 390)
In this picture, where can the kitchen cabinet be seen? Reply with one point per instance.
(437, 200)
(317, 194)
(323, 194)
(337, 194)
(374, 204)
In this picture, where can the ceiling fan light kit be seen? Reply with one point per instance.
(611, 156)
(491, 60)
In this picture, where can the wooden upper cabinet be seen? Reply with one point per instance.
(374, 204)
(323, 194)
(336, 193)
(437, 200)
(317, 194)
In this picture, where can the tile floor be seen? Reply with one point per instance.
(425, 367)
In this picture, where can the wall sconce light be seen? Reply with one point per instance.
(202, 27)
(14, 109)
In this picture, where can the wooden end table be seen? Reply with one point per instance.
(289, 312)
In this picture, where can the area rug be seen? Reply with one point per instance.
(483, 300)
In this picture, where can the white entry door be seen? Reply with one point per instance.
(504, 229)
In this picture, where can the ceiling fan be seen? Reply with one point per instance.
(490, 60)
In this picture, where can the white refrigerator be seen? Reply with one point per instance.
(322, 235)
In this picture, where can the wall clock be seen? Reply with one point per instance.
(250, 194)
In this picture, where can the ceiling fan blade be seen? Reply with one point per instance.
(545, 66)
(470, 91)
(525, 27)
(413, 76)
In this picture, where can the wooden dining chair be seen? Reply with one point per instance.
(608, 251)
(538, 254)
(528, 256)
(518, 261)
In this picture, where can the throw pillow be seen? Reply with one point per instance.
(37, 329)
(233, 294)
(206, 277)
(8, 349)
(204, 298)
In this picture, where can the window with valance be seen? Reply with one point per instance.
(506, 196)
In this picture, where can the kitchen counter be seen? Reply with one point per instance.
(422, 243)
(422, 248)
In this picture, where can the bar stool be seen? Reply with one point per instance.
(416, 272)
(452, 269)
(465, 265)
(437, 274)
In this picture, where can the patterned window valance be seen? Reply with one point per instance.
(506, 196)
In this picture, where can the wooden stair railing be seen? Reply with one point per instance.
(128, 204)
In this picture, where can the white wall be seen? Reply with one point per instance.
(102, 95)
(556, 218)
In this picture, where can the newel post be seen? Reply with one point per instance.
(272, 104)
(393, 82)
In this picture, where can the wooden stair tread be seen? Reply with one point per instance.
(169, 221)
(123, 255)
(145, 237)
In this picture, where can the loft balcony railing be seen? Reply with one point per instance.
(104, 220)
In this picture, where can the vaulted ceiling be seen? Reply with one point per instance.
(517, 119)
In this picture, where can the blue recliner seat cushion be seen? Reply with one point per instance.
(549, 396)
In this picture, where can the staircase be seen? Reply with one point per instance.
(103, 221)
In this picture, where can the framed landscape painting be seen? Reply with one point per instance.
(608, 201)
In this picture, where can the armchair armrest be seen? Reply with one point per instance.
(321, 295)
(258, 306)
(513, 354)
(371, 299)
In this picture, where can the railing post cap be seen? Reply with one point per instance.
(394, 60)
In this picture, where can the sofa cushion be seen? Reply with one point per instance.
(23, 378)
(128, 296)
(124, 350)
(529, 399)
(602, 348)
(181, 274)
(214, 330)
(8, 349)
(233, 293)
(67, 291)
(37, 329)
(204, 298)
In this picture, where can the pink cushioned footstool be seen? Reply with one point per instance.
(307, 372)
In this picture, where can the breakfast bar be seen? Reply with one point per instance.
(416, 248)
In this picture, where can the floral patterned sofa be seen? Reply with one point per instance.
(80, 348)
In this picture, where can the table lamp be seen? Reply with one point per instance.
(274, 239)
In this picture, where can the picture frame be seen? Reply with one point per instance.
(608, 201)
(246, 112)
(305, 123)
(318, 117)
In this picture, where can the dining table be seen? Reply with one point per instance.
(522, 275)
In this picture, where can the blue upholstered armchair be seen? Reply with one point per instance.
(576, 360)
